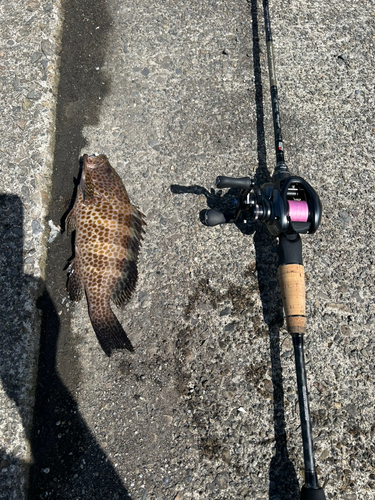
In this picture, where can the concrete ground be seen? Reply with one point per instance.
(176, 93)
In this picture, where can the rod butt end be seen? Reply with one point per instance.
(312, 494)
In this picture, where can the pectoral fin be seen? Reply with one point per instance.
(70, 222)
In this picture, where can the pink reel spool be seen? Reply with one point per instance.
(298, 211)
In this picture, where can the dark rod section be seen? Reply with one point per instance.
(279, 146)
(311, 480)
(281, 169)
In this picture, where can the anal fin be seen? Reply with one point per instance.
(75, 287)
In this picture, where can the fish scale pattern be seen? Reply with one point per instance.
(109, 230)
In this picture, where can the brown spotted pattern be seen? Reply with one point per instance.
(109, 231)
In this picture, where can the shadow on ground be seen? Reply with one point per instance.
(17, 346)
(67, 460)
(69, 463)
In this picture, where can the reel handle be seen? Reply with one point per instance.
(213, 217)
(232, 182)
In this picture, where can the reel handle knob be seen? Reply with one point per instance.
(213, 217)
(232, 182)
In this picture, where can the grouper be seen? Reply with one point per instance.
(109, 230)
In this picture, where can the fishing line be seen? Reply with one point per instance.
(298, 211)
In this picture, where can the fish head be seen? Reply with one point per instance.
(96, 175)
(93, 162)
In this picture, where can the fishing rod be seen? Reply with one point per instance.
(289, 207)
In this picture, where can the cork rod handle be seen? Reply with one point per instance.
(292, 286)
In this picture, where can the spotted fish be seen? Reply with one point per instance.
(109, 231)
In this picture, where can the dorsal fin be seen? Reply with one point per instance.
(127, 281)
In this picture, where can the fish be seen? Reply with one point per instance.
(109, 232)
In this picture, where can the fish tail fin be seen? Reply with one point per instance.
(109, 331)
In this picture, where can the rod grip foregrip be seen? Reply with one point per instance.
(292, 287)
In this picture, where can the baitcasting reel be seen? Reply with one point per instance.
(289, 205)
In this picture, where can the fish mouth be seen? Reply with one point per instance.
(90, 162)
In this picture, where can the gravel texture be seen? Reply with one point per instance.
(176, 93)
